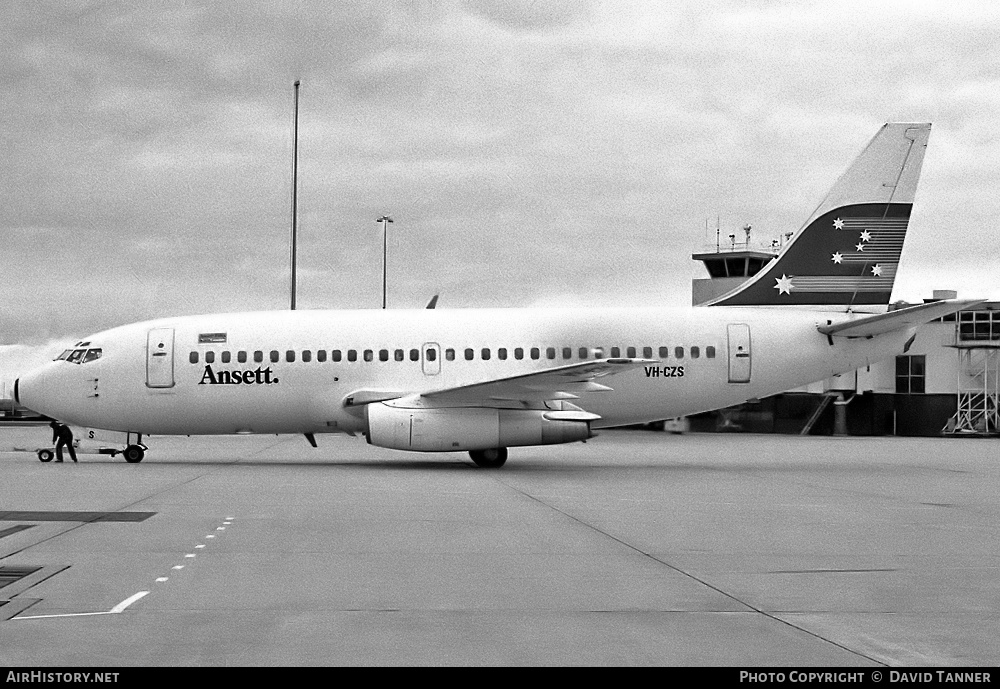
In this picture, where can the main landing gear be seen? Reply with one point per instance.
(492, 458)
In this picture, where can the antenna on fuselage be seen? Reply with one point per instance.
(295, 182)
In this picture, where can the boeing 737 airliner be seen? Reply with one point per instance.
(484, 380)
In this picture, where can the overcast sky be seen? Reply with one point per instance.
(530, 152)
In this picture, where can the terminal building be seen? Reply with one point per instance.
(948, 383)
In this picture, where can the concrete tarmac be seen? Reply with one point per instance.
(636, 548)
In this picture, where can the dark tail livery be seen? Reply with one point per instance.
(847, 253)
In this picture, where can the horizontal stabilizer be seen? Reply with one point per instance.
(909, 317)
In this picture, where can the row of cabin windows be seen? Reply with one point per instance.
(485, 354)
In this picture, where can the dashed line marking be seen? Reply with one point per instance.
(178, 567)
(160, 580)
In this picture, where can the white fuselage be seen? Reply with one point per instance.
(170, 387)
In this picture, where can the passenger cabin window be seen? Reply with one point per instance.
(485, 353)
(226, 357)
(321, 355)
(192, 357)
(369, 355)
(352, 355)
(290, 355)
(518, 353)
(664, 352)
(335, 355)
(695, 352)
(550, 352)
(383, 355)
(307, 355)
(449, 354)
(241, 356)
(710, 352)
(502, 354)
(414, 355)
(630, 352)
(567, 352)
(275, 356)
(431, 354)
(209, 357)
(535, 353)
(679, 352)
(647, 352)
(469, 354)
(399, 355)
(583, 352)
(616, 352)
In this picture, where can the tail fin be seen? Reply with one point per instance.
(846, 254)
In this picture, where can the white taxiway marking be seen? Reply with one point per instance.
(113, 611)
(189, 555)
(178, 567)
(200, 546)
(211, 535)
(160, 580)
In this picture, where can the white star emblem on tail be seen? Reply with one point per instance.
(838, 224)
(784, 285)
(838, 257)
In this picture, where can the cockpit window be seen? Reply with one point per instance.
(80, 356)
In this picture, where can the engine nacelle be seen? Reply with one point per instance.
(471, 428)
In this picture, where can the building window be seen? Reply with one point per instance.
(979, 325)
(911, 374)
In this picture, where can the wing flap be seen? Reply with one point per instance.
(909, 317)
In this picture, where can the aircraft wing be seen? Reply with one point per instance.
(561, 382)
(909, 317)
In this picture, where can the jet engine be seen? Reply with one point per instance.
(471, 428)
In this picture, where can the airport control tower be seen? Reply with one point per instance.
(727, 270)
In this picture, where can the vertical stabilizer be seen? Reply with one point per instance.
(847, 252)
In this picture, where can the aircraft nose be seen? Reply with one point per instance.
(33, 391)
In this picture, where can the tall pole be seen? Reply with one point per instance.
(384, 220)
(295, 183)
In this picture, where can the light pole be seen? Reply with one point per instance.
(384, 220)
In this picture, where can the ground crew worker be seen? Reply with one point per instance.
(62, 436)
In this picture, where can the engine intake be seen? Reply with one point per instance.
(471, 428)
